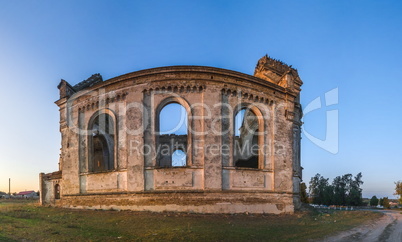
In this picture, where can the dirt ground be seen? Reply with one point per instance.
(387, 228)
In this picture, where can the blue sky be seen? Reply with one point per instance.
(350, 45)
(173, 119)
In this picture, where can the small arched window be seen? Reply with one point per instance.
(247, 139)
(172, 136)
(57, 191)
(101, 145)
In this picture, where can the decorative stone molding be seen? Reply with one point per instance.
(250, 96)
(94, 103)
(175, 88)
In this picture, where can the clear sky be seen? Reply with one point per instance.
(354, 46)
(173, 119)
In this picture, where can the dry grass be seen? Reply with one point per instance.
(26, 220)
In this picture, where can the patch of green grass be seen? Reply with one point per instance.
(3, 238)
(28, 221)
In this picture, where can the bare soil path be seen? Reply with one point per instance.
(387, 228)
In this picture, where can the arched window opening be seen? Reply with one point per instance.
(102, 143)
(179, 158)
(246, 139)
(57, 191)
(172, 138)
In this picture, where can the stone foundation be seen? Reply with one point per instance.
(198, 202)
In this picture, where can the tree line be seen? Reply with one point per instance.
(374, 201)
(398, 190)
(344, 190)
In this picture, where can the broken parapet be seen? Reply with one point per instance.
(94, 79)
(66, 90)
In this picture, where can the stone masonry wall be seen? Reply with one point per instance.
(209, 182)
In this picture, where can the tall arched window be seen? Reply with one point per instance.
(247, 139)
(101, 143)
(57, 191)
(172, 137)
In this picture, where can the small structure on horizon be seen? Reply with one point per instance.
(27, 194)
(3, 195)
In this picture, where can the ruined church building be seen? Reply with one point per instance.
(239, 150)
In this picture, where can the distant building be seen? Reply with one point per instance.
(27, 194)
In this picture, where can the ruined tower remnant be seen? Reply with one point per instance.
(239, 151)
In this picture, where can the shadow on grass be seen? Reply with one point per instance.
(4, 238)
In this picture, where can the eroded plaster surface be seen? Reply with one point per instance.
(139, 177)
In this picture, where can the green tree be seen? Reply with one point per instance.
(320, 190)
(345, 190)
(398, 190)
(340, 184)
(381, 201)
(303, 193)
(328, 195)
(338, 190)
(385, 202)
(374, 201)
(355, 192)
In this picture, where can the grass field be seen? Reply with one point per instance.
(25, 220)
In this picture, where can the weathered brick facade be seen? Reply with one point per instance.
(110, 139)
